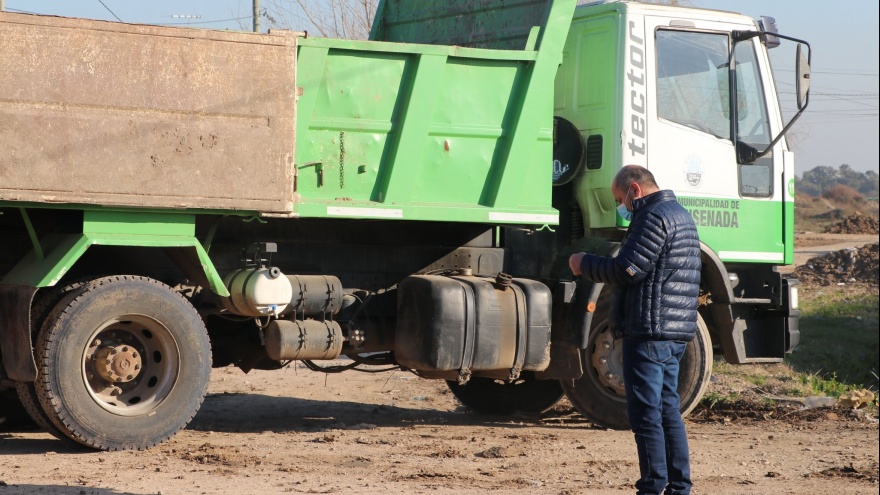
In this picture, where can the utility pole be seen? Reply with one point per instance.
(256, 15)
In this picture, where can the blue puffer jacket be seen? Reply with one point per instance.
(656, 273)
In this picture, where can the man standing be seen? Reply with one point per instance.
(656, 277)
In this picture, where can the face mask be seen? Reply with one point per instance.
(622, 211)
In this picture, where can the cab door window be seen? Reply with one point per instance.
(692, 80)
(693, 90)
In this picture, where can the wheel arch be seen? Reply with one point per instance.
(716, 309)
(63, 252)
(48, 264)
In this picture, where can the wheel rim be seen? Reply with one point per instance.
(607, 362)
(130, 364)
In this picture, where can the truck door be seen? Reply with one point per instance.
(690, 134)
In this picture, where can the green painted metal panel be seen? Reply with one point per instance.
(426, 132)
(111, 228)
(61, 252)
(739, 230)
(788, 226)
(588, 94)
(788, 214)
(138, 223)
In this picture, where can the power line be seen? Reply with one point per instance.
(835, 73)
(207, 22)
(861, 96)
(860, 71)
(9, 9)
(108, 10)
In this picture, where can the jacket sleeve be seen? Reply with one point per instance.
(638, 254)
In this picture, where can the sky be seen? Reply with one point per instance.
(840, 126)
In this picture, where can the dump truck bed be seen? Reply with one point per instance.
(400, 127)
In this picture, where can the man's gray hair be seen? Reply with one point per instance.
(637, 174)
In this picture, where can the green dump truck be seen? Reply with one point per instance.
(176, 199)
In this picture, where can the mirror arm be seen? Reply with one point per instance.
(745, 35)
(776, 139)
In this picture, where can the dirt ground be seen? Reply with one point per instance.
(297, 431)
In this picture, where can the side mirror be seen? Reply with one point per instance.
(802, 63)
(803, 76)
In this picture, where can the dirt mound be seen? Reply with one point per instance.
(744, 410)
(844, 266)
(855, 224)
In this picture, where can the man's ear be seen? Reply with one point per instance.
(637, 190)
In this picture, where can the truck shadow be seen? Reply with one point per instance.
(255, 413)
(16, 445)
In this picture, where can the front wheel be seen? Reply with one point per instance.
(599, 394)
(123, 363)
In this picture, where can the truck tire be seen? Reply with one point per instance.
(599, 394)
(123, 363)
(489, 396)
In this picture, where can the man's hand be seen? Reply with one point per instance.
(574, 262)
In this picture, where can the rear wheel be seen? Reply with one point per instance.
(123, 363)
(490, 396)
(599, 394)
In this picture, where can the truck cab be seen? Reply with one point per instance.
(689, 94)
(650, 85)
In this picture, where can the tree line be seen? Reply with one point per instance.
(824, 180)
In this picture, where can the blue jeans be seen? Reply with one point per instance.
(650, 376)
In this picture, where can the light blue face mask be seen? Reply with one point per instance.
(622, 211)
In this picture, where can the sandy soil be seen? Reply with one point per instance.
(296, 431)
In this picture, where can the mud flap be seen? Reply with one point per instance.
(15, 335)
(574, 304)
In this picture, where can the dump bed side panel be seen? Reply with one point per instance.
(499, 24)
(417, 131)
(122, 115)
